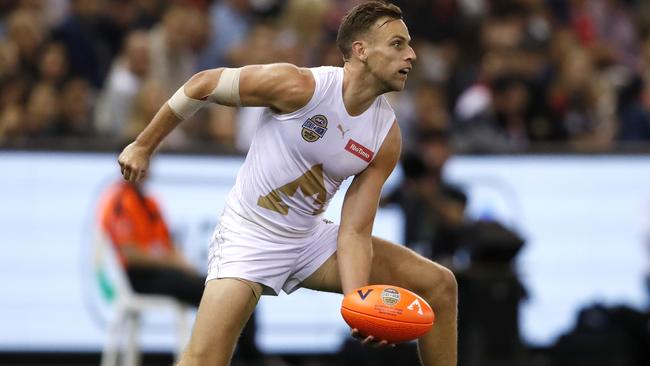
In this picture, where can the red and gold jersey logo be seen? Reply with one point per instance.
(359, 150)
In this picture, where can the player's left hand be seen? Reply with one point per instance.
(370, 340)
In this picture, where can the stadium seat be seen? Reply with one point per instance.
(128, 308)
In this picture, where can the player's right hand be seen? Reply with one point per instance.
(134, 162)
(370, 340)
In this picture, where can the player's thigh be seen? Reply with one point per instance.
(326, 277)
(392, 264)
(226, 305)
(400, 266)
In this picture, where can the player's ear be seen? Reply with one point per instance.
(360, 50)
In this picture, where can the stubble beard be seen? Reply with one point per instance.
(386, 84)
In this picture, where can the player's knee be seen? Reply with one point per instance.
(441, 288)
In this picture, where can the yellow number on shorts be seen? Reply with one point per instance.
(311, 184)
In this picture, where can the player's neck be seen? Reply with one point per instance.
(359, 92)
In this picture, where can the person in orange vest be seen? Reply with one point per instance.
(154, 265)
(139, 233)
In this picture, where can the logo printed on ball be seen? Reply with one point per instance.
(390, 296)
(362, 295)
(416, 303)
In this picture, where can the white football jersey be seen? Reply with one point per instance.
(297, 161)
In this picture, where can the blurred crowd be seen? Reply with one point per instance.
(491, 75)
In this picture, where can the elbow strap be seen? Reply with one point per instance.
(182, 105)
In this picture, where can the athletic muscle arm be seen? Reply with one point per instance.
(283, 87)
(354, 243)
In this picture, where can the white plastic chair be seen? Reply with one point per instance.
(128, 307)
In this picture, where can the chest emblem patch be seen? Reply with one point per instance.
(359, 150)
(314, 128)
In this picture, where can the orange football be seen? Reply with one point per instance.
(387, 313)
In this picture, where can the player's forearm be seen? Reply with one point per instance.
(160, 126)
(354, 252)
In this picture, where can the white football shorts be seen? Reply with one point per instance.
(243, 249)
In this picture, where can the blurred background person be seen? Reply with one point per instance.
(171, 58)
(154, 264)
(127, 74)
(41, 111)
(434, 210)
(76, 101)
(87, 37)
(230, 22)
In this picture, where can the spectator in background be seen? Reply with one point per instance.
(199, 31)
(510, 103)
(230, 22)
(115, 104)
(303, 29)
(606, 29)
(633, 107)
(493, 117)
(41, 111)
(86, 35)
(147, 12)
(499, 110)
(643, 67)
(133, 221)
(571, 60)
(9, 59)
(431, 109)
(634, 119)
(581, 100)
(12, 92)
(10, 123)
(26, 33)
(76, 102)
(434, 21)
(154, 264)
(50, 12)
(149, 97)
(121, 18)
(263, 44)
(53, 64)
(171, 58)
(434, 210)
